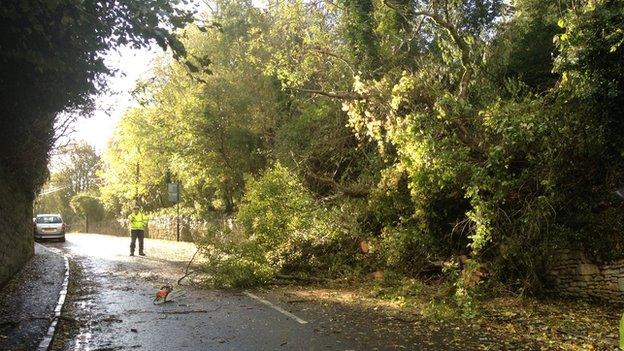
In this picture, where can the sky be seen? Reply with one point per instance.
(132, 64)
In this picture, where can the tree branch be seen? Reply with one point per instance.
(445, 23)
(349, 191)
(341, 95)
(464, 48)
(188, 266)
(320, 50)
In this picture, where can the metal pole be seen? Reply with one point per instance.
(178, 220)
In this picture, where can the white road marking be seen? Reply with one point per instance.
(44, 345)
(277, 308)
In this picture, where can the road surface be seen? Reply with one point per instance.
(111, 307)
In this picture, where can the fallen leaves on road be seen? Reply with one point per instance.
(501, 323)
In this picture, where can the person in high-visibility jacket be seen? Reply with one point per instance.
(138, 224)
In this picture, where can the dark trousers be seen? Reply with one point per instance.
(134, 234)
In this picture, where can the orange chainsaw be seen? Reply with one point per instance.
(161, 295)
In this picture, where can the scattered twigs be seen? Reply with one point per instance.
(188, 272)
(301, 279)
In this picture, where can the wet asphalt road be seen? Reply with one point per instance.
(28, 301)
(112, 306)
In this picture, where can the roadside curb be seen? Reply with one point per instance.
(47, 339)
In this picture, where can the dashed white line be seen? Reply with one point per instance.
(277, 308)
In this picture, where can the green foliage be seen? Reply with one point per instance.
(496, 167)
(281, 229)
(276, 208)
(276, 215)
(238, 272)
(77, 170)
(524, 49)
(359, 22)
(423, 129)
(88, 207)
(216, 125)
(232, 259)
(590, 64)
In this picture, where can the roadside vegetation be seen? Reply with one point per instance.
(469, 137)
(398, 140)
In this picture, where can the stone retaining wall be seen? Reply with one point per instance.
(165, 228)
(572, 274)
(158, 228)
(110, 227)
(16, 228)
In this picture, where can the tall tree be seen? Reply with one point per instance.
(80, 169)
(360, 25)
(76, 171)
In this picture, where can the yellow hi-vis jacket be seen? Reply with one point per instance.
(138, 221)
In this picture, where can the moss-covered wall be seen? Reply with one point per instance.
(16, 233)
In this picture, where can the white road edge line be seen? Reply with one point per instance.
(277, 308)
(44, 345)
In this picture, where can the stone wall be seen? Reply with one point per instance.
(110, 227)
(572, 274)
(16, 231)
(158, 228)
(165, 228)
